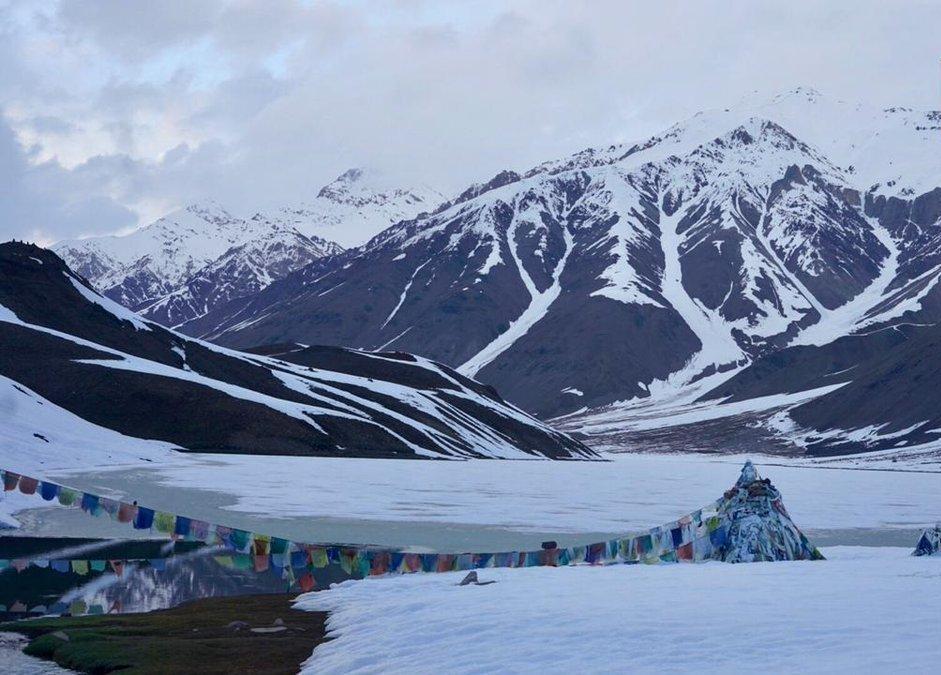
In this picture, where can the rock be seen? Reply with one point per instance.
(272, 629)
(62, 635)
(471, 578)
(237, 625)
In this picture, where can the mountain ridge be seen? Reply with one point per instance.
(645, 272)
(638, 271)
(106, 369)
(195, 258)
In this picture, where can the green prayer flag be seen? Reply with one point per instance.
(318, 557)
(164, 522)
(238, 539)
(67, 496)
(243, 562)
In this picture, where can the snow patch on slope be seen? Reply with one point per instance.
(654, 414)
(402, 297)
(850, 316)
(621, 281)
(718, 346)
(109, 305)
(38, 436)
(537, 308)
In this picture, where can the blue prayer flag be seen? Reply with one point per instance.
(144, 519)
(182, 527)
(48, 491)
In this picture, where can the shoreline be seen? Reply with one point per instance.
(258, 633)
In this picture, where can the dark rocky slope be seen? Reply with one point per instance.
(88, 355)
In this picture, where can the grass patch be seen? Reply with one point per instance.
(191, 638)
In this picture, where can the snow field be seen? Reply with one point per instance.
(863, 609)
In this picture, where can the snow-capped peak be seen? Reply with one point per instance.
(357, 205)
(158, 256)
(350, 181)
(890, 151)
(161, 259)
(183, 264)
(208, 210)
(806, 93)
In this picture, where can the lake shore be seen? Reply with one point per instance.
(258, 634)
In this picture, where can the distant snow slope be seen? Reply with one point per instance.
(155, 259)
(240, 271)
(357, 206)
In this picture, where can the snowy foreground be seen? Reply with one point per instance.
(869, 609)
(863, 609)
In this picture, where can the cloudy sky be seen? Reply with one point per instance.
(113, 112)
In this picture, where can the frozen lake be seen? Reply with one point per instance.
(494, 505)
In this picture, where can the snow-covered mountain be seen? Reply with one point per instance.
(188, 262)
(241, 271)
(76, 365)
(643, 271)
(155, 260)
(356, 206)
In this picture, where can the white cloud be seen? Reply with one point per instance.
(256, 103)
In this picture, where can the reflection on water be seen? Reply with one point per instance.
(15, 661)
(62, 576)
(56, 575)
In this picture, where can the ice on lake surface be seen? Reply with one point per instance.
(500, 505)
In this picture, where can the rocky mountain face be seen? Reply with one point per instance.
(94, 368)
(195, 259)
(646, 271)
(875, 361)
